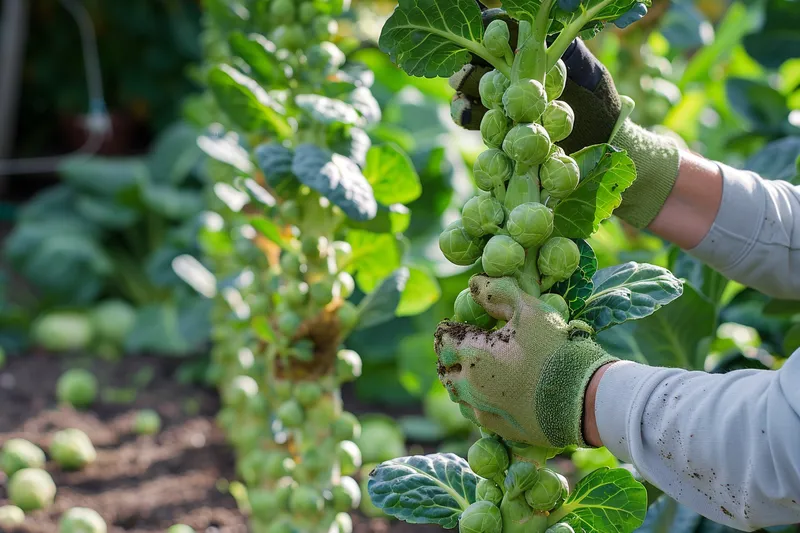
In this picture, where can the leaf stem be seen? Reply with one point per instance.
(569, 33)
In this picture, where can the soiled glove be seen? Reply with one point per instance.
(599, 118)
(525, 381)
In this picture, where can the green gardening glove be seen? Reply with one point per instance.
(600, 117)
(525, 381)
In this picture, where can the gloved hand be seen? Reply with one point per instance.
(525, 381)
(600, 117)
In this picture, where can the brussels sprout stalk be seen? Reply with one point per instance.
(568, 34)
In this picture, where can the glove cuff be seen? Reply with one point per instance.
(560, 393)
(657, 160)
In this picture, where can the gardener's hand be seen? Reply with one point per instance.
(526, 380)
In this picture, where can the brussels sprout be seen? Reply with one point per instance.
(31, 489)
(556, 80)
(343, 522)
(527, 144)
(502, 256)
(324, 27)
(558, 303)
(518, 517)
(313, 247)
(283, 525)
(77, 387)
(561, 527)
(81, 520)
(496, 39)
(345, 285)
(349, 457)
(307, 393)
(2, 357)
(520, 477)
(348, 365)
(325, 57)
(342, 252)
(291, 263)
(290, 413)
(348, 316)
(294, 292)
(321, 291)
(274, 465)
(346, 427)
(458, 247)
(307, 12)
(290, 37)
(323, 413)
(72, 449)
(346, 495)
(20, 453)
(481, 215)
(547, 493)
(11, 516)
(467, 310)
(492, 169)
(381, 439)
(181, 528)
(306, 500)
(282, 11)
(558, 119)
(113, 320)
(289, 323)
(492, 87)
(488, 490)
(481, 517)
(558, 258)
(488, 458)
(494, 127)
(240, 390)
(62, 331)
(525, 101)
(559, 175)
(530, 224)
(147, 422)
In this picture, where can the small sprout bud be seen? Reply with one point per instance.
(488, 458)
(282, 11)
(488, 490)
(491, 89)
(77, 387)
(290, 413)
(291, 264)
(558, 119)
(147, 422)
(525, 101)
(494, 127)
(324, 27)
(520, 477)
(558, 258)
(325, 57)
(346, 496)
(467, 310)
(530, 224)
(11, 516)
(31, 489)
(344, 285)
(306, 501)
(492, 168)
(496, 39)
(240, 390)
(547, 493)
(557, 303)
(556, 80)
(263, 503)
(528, 144)
(346, 427)
(321, 291)
(295, 292)
(81, 520)
(348, 365)
(349, 457)
(289, 323)
(18, 454)
(502, 256)
(72, 449)
(482, 214)
(275, 465)
(458, 247)
(307, 393)
(560, 175)
(481, 517)
(348, 315)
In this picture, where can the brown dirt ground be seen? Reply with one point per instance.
(138, 484)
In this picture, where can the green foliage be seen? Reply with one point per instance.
(481, 517)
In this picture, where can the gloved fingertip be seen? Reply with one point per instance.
(498, 296)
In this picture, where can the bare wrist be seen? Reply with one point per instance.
(591, 434)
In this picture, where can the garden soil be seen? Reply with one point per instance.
(139, 484)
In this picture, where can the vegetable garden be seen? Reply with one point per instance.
(235, 330)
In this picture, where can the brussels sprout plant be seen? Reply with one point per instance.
(537, 207)
(307, 214)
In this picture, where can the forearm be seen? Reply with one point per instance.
(723, 445)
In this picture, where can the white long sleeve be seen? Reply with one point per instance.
(725, 445)
(755, 239)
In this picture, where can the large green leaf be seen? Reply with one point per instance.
(605, 174)
(522, 9)
(677, 336)
(381, 304)
(777, 160)
(424, 489)
(175, 154)
(168, 329)
(392, 175)
(226, 149)
(759, 104)
(605, 501)
(629, 291)
(432, 38)
(259, 54)
(421, 292)
(337, 178)
(578, 288)
(106, 213)
(275, 161)
(366, 105)
(778, 39)
(328, 110)
(668, 516)
(171, 202)
(103, 176)
(375, 256)
(246, 102)
(705, 279)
